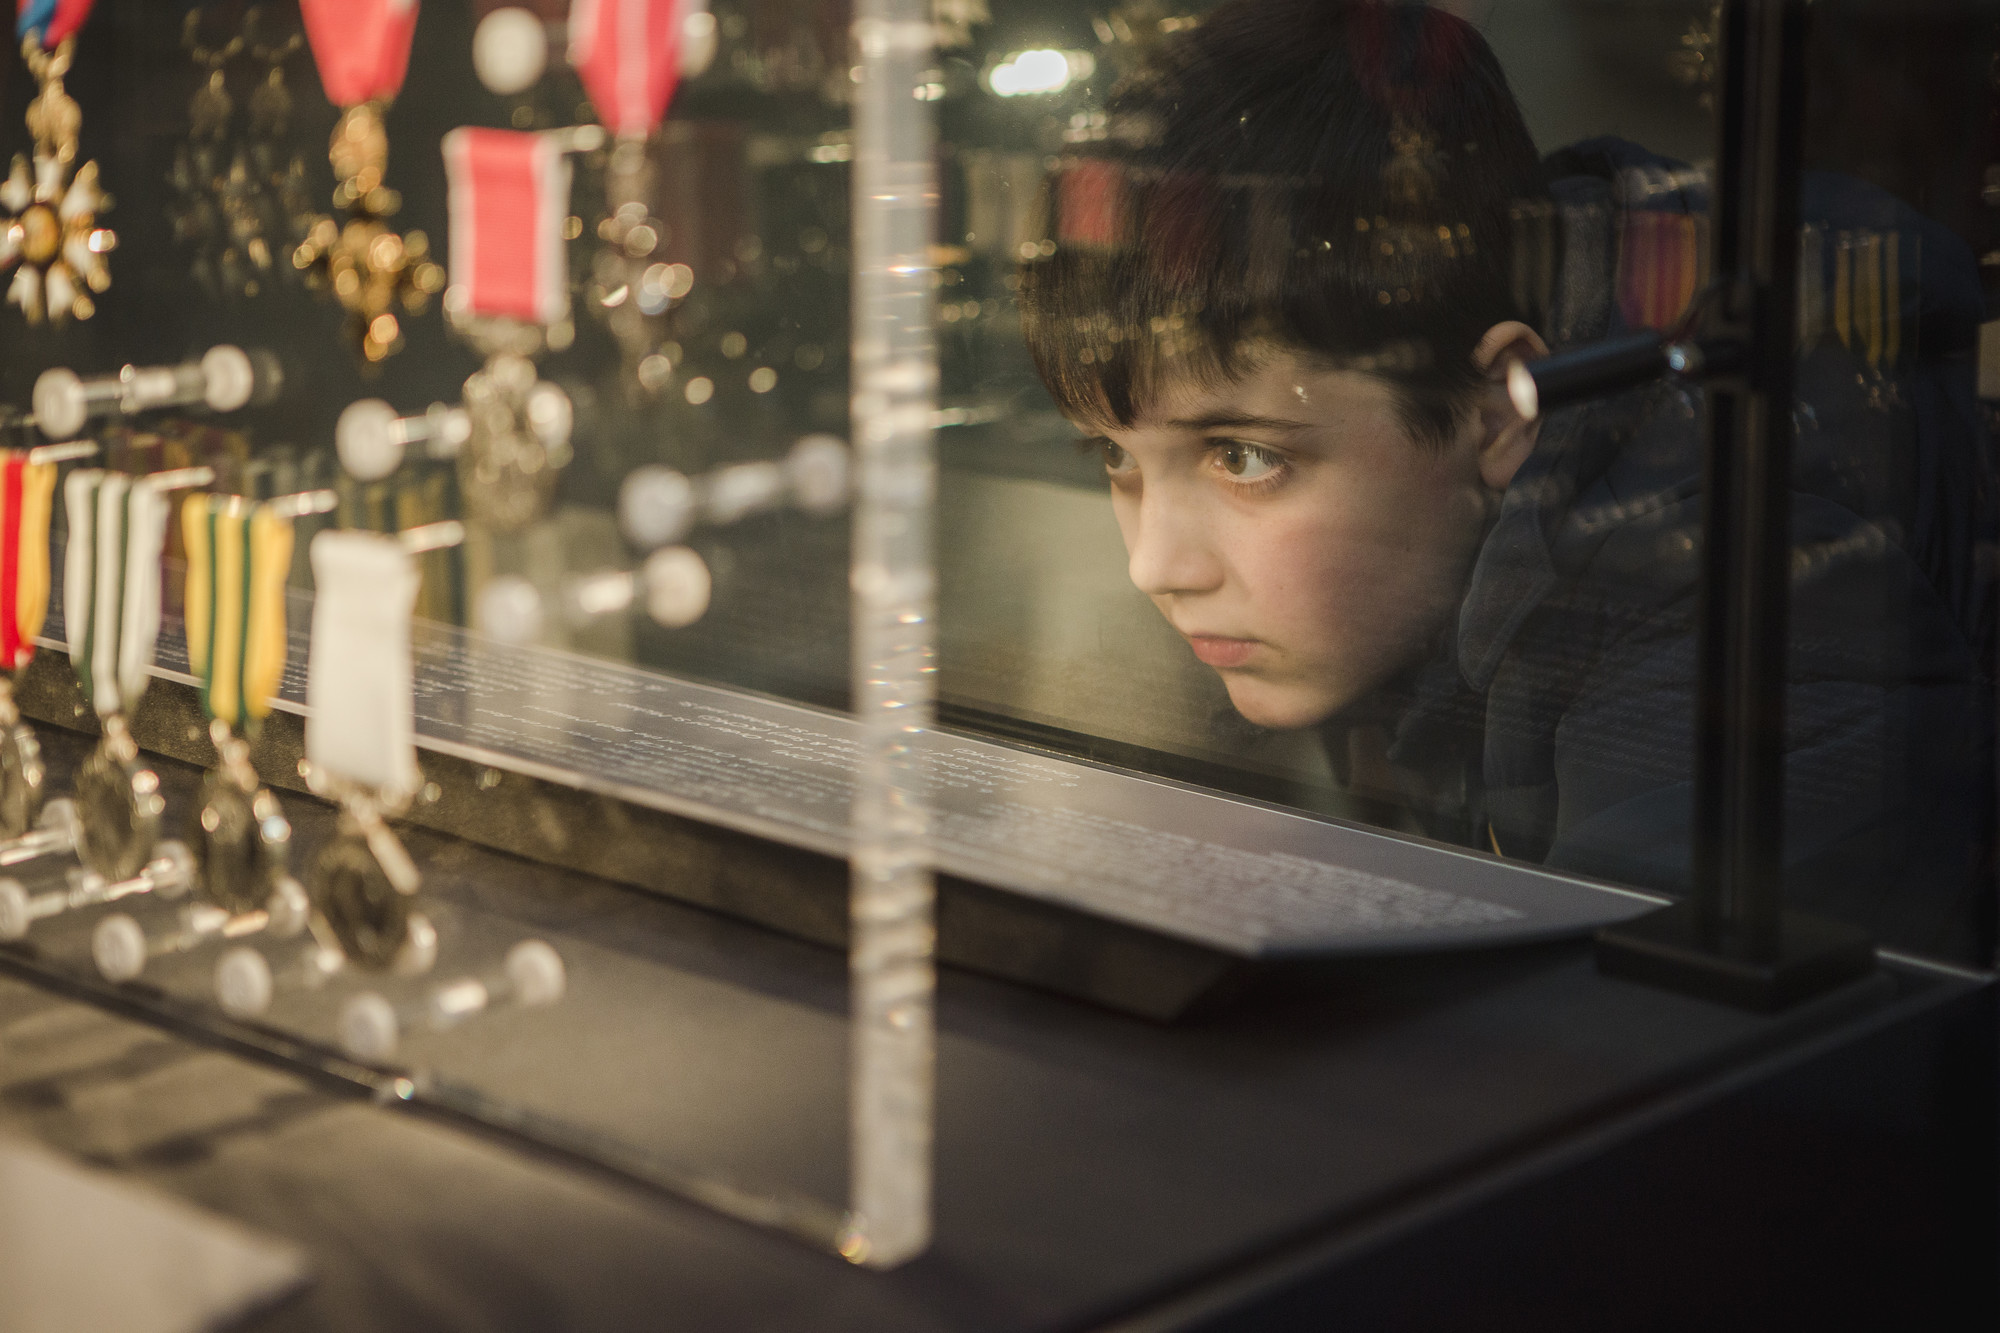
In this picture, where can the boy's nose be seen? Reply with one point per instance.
(1169, 551)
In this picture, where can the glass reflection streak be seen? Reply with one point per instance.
(892, 975)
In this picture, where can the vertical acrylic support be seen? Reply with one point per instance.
(892, 973)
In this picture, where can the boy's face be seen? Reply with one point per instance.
(1288, 526)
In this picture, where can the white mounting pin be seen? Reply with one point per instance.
(169, 874)
(224, 379)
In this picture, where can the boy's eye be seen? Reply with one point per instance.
(1245, 462)
(1116, 459)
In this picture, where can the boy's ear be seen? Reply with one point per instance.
(1505, 440)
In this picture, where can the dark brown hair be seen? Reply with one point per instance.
(1332, 175)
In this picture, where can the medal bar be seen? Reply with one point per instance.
(658, 508)
(532, 976)
(55, 834)
(224, 379)
(169, 873)
(122, 946)
(246, 983)
(523, 430)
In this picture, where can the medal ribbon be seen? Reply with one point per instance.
(111, 583)
(362, 47)
(1091, 204)
(27, 492)
(628, 54)
(238, 557)
(360, 698)
(53, 19)
(509, 196)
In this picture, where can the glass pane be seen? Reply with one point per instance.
(1266, 266)
(1889, 821)
(466, 371)
(647, 429)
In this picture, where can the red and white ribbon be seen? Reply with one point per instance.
(509, 196)
(362, 47)
(628, 54)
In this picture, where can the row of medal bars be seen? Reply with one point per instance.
(230, 889)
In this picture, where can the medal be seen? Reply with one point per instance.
(239, 555)
(27, 492)
(362, 48)
(509, 297)
(628, 55)
(51, 236)
(360, 736)
(111, 604)
(366, 913)
(239, 185)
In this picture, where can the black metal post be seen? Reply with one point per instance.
(1740, 749)
(1732, 939)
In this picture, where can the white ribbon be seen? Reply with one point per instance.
(111, 582)
(360, 697)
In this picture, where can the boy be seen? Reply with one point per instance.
(1282, 301)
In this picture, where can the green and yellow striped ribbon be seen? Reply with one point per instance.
(238, 557)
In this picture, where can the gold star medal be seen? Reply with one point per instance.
(49, 206)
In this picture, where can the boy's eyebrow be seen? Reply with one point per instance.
(1236, 421)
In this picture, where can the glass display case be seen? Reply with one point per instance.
(490, 487)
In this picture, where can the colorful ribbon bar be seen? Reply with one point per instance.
(238, 557)
(362, 47)
(509, 195)
(27, 492)
(628, 54)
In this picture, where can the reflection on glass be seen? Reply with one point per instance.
(1273, 276)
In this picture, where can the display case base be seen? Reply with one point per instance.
(794, 890)
(1666, 949)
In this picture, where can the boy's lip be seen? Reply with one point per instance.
(1220, 651)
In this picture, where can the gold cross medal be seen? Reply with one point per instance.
(362, 49)
(51, 238)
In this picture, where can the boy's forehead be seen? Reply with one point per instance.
(1279, 384)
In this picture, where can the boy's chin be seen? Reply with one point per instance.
(1278, 705)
